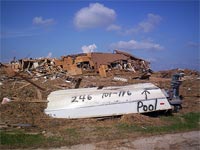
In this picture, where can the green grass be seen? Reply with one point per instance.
(184, 122)
(72, 133)
(100, 129)
(20, 139)
(127, 127)
(71, 136)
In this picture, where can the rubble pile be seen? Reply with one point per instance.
(25, 85)
(36, 67)
(102, 64)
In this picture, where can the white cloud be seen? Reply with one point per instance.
(41, 21)
(136, 45)
(147, 25)
(89, 48)
(150, 23)
(113, 27)
(95, 15)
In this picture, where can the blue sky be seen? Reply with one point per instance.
(166, 33)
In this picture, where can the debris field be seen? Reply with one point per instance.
(25, 85)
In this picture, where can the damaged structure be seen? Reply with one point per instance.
(40, 65)
(99, 100)
(101, 63)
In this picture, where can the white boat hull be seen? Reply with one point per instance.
(109, 101)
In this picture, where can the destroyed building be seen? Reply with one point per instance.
(34, 67)
(102, 63)
(78, 64)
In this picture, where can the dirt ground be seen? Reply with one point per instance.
(178, 141)
(27, 107)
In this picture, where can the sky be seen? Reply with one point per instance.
(165, 33)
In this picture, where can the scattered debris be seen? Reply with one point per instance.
(28, 102)
(120, 79)
(145, 75)
(101, 63)
(11, 73)
(69, 68)
(78, 83)
(5, 100)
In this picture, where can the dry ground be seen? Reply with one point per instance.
(178, 141)
(29, 104)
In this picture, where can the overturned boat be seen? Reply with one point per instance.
(107, 101)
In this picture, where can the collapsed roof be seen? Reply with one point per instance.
(108, 58)
(79, 63)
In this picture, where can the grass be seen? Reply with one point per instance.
(71, 136)
(102, 130)
(127, 127)
(72, 133)
(16, 138)
(183, 122)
